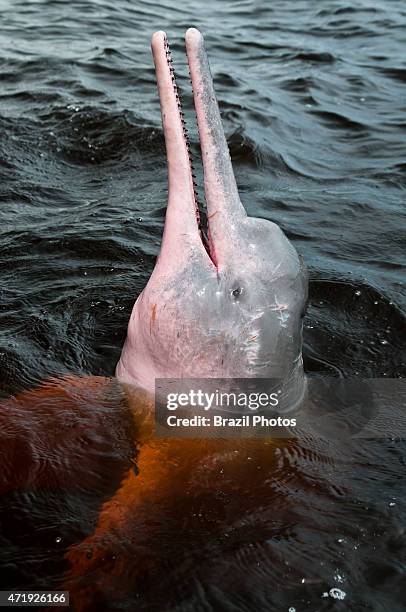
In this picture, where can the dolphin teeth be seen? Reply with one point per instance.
(186, 137)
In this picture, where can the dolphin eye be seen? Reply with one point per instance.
(237, 292)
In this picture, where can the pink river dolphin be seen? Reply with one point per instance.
(230, 306)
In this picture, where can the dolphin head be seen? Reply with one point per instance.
(228, 306)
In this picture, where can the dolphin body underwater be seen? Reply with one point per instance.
(229, 305)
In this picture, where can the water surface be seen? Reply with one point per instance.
(312, 96)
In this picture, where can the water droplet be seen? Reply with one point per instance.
(392, 504)
(358, 292)
(58, 539)
(337, 593)
(338, 577)
(384, 342)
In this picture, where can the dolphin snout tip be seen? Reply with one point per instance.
(158, 37)
(193, 36)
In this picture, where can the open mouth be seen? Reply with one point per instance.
(221, 194)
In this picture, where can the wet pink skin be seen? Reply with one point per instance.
(235, 311)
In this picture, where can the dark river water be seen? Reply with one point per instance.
(313, 100)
